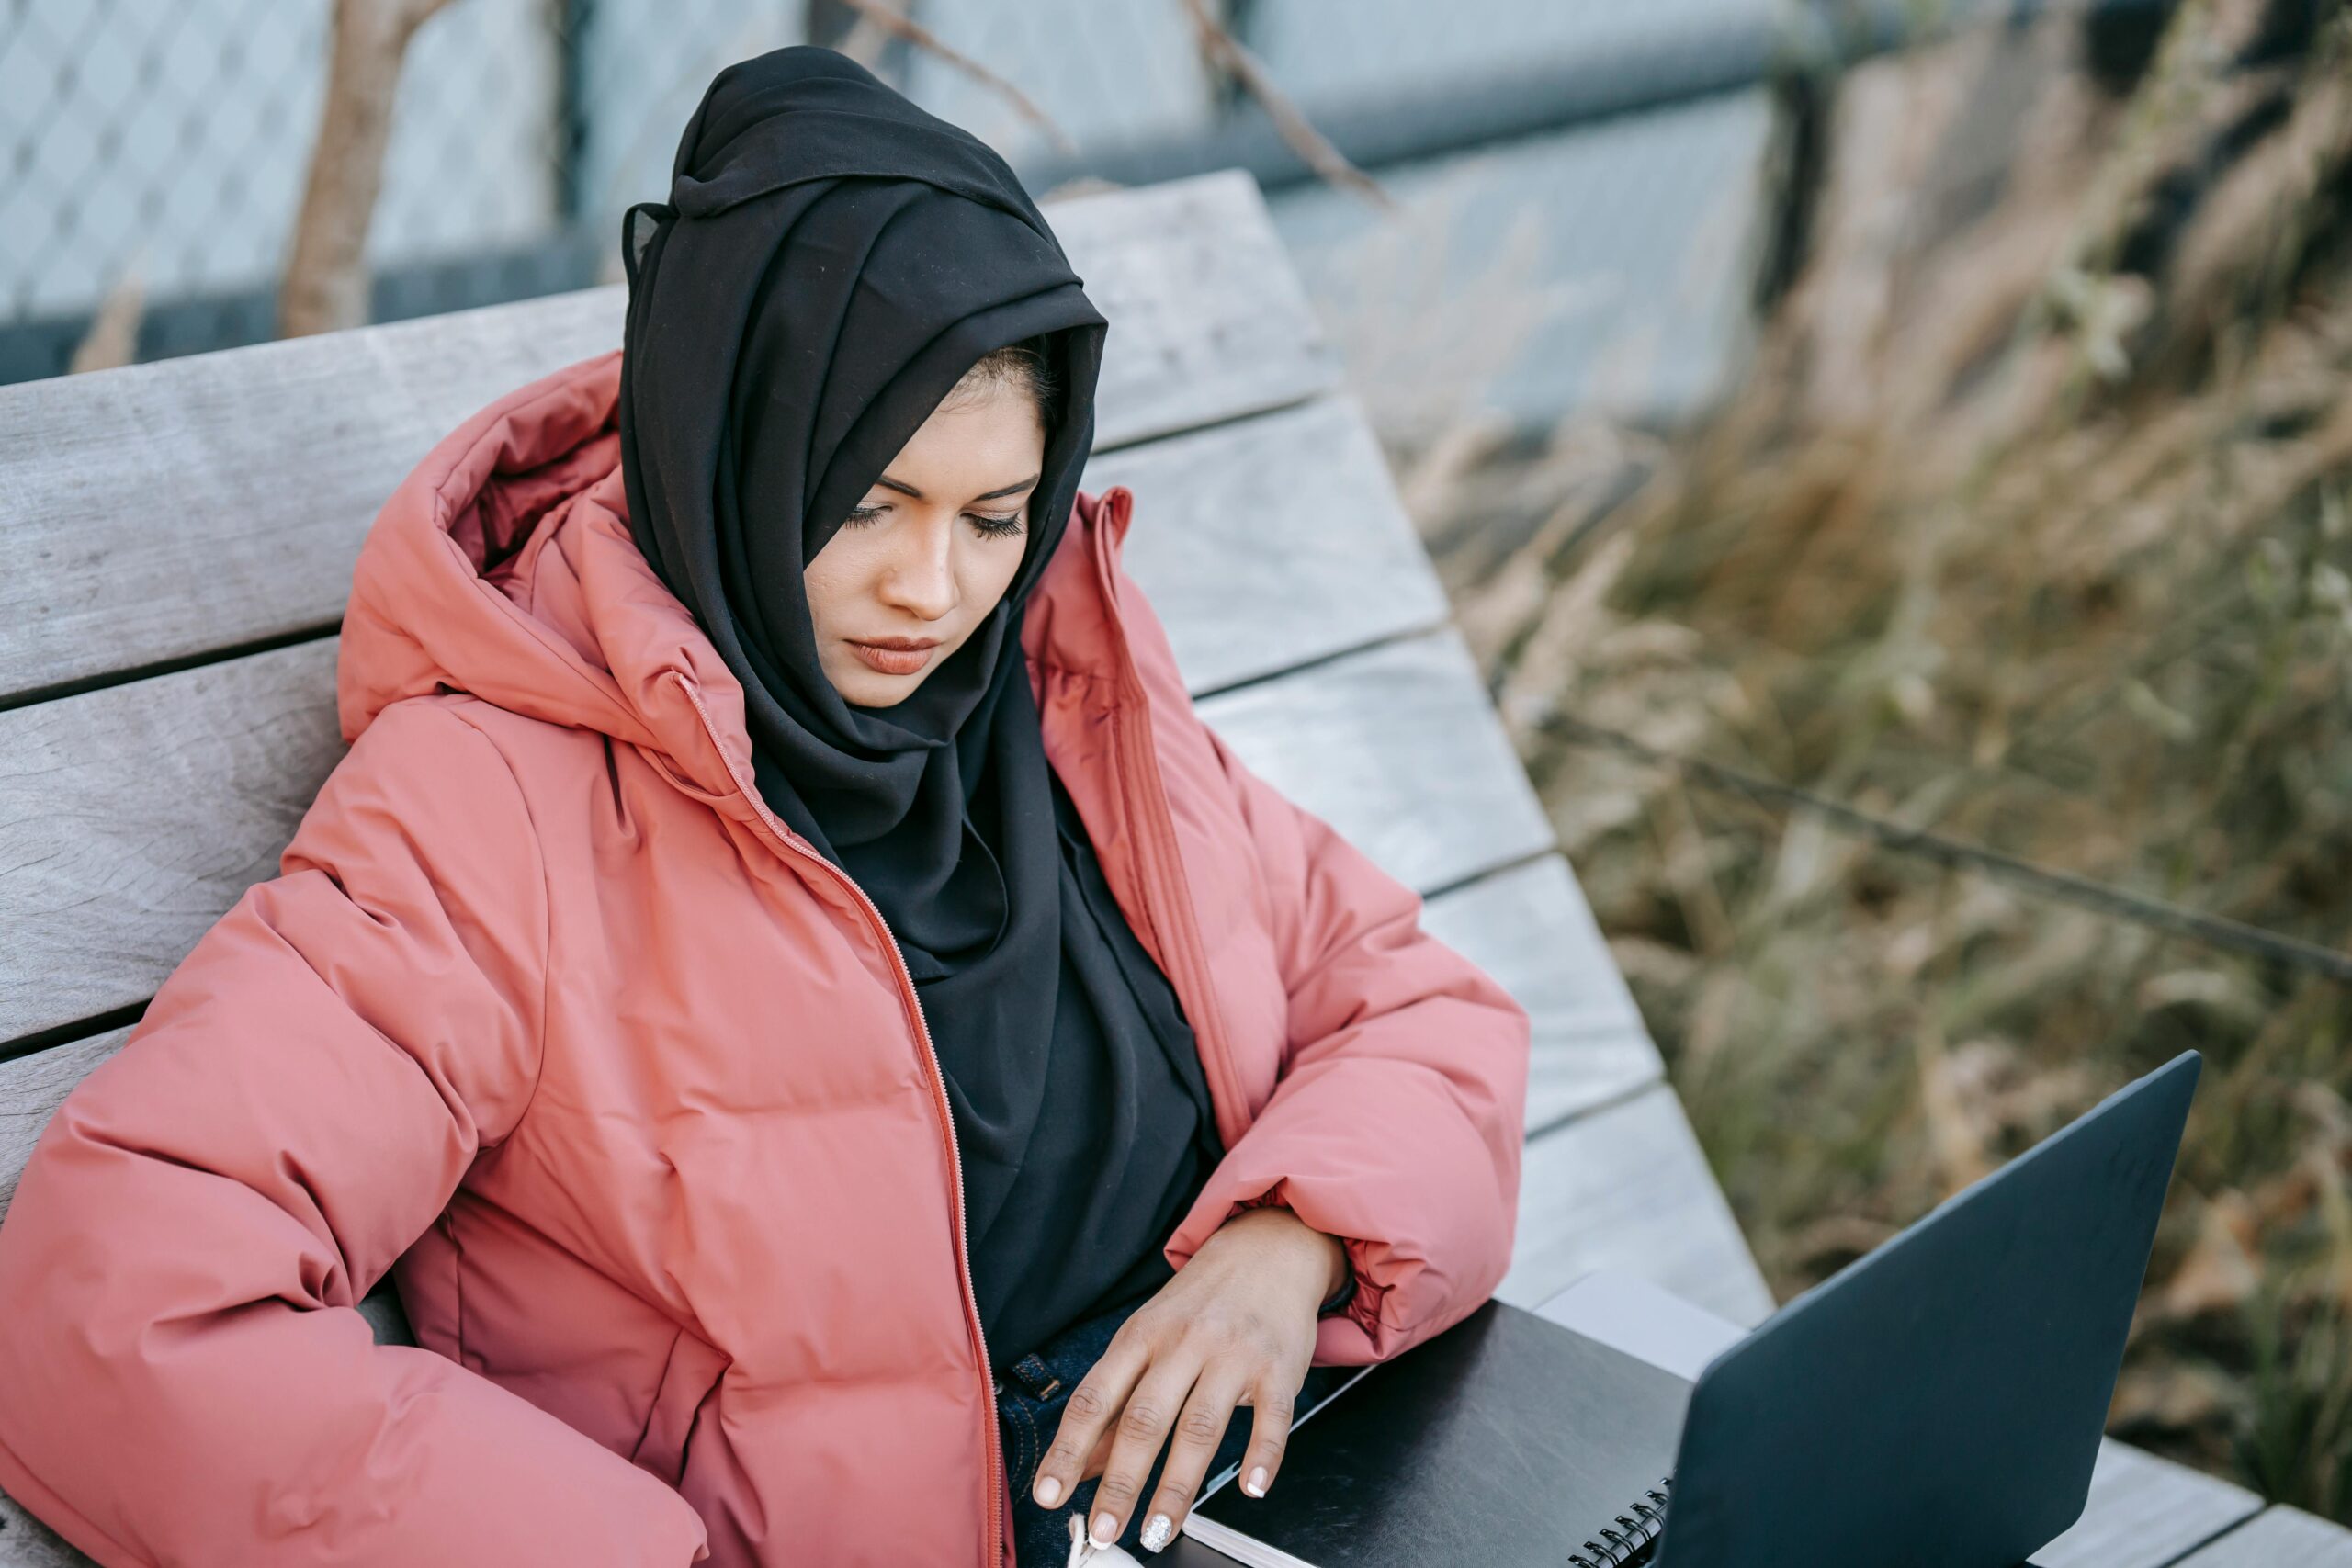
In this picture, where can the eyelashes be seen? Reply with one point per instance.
(990, 524)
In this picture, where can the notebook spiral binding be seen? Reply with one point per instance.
(1636, 1528)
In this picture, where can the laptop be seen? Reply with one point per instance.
(1939, 1404)
(1940, 1401)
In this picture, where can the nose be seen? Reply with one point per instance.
(919, 577)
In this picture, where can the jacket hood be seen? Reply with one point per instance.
(503, 566)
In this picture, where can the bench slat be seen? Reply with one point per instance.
(2279, 1538)
(1396, 747)
(33, 1088)
(254, 472)
(132, 818)
(26, 1542)
(1275, 541)
(1530, 928)
(2145, 1512)
(1627, 1188)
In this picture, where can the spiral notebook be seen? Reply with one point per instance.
(1505, 1441)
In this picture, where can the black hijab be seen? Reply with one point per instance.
(832, 260)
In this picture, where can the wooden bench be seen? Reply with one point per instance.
(179, 540)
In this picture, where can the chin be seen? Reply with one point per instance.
(867, 688)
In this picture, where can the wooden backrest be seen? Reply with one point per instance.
(177, 540)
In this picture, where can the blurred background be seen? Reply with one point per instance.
(1893, 461)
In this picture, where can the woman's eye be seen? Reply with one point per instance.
(990, 524)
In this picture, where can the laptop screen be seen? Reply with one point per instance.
(1939, 1403)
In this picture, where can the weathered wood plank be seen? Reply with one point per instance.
(1342, 567)
(2145, 1512)
(1627, 1188)
(1644, 1319)
(131, 816)
(1272, 542)
(1531, 929)
(163, 512)
(26, 1542)
(33, 1088)
(2279, 1538)
(1208, 319)
(1447, 804)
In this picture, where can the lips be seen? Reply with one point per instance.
(893, 660)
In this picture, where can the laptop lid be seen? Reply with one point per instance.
(1940, 1401)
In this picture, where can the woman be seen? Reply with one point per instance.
(817, 1104)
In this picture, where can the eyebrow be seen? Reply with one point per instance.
(905, 488)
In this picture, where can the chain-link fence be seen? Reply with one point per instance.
(157, 151)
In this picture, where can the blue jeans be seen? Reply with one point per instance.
(1029, 1402)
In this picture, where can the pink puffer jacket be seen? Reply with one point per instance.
(546, 1013)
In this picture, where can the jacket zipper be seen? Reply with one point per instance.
(1183, 931)
(783, 837)
(1138, 763)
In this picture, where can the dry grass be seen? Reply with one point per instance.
(2030, 527)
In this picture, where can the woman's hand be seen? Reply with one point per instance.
(1235, 1326)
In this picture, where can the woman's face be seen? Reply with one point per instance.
(930, 549)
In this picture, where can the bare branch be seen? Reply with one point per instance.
(877, 16)
(325, 282)
(113, 337)
(1222, 49)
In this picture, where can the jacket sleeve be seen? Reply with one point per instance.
(1396, 1121)
(185, 1376)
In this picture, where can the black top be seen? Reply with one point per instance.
(1122, 1140)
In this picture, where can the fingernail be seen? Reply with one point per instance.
(1156, 1531)
(1049, 1490)
(1105, 1530)
(1256, 1484)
